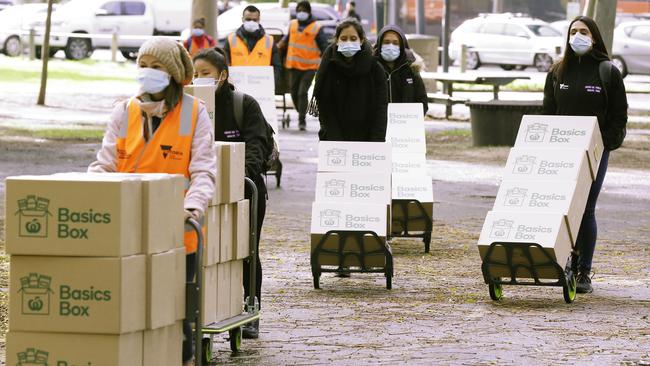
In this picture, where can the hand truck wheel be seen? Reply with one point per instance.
(496, 291)
(235, 339)
(206, 350)
(569, 286)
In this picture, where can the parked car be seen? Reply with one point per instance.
(563, 25)
(275, 18)
(13, 20)
(105, 17)
(4, 4)
(509, 40)
(631, 49)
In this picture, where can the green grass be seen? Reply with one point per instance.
(15, 75)
(456, 133)
(82, 134)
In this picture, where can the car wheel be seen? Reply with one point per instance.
(78, 49)
(520, 67)
(543, 62)
(620, 65)
(129, 55)
(472, 61)
(507, 67)
(39, 54)
(13, 47)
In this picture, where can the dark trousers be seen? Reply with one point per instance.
(261, 211)
(586, 242)
(300, 83)
(190, 271)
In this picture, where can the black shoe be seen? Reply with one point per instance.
(251, 330)
(584, 282)
(302, 125)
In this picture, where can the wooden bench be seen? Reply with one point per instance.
(446, 99)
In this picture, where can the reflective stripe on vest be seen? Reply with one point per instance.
(303, 52)
(259, 56)
(167, 151)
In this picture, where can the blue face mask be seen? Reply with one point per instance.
(390, 52)
(349, 49)
(151, 80)
(580, 44)
(198, 32)
(302, 16)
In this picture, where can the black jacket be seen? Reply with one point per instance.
(253, 134)
(581, 93)
(350, 98)
(251, 40)
(404, 84)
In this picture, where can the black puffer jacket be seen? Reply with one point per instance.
(253, 134)
(350, 97)
(581, 93)
(403, 79)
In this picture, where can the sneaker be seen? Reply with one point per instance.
(251, 330)
(584, 282)
(302, 126)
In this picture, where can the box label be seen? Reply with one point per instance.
(566, 131)
(405, 115)
(347, 187)
(409, 164)
(524, 163)
(258, 82)
(412, 187)
(354, 156)
(349, 217)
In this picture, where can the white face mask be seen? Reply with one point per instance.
(152, 81)
(390, 52)
(349, 49)
(580, 44)
(251, 26)
(203, 81)
(302, 16)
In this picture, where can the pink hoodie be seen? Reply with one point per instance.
(203, 165)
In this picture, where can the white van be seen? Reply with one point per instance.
(124, 17)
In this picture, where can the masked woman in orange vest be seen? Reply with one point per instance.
(198, 40)
(158, 120)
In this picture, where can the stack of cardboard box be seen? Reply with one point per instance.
(410, 180)
(97, 270)
(227, 237)
(352, 194)
(544, 191)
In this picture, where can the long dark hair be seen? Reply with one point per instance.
(215, 56)
(350, 22)
(598, 51)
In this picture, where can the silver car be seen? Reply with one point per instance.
(509, 40)
(631, 49)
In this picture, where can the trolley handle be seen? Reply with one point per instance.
(198, 259)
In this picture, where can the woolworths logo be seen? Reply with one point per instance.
(335, 188)
(336, 157)
(330, 218)
(35, 291)
(536, 132)
(34, 357)
(34, 215)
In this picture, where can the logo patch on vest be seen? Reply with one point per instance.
(168, 152)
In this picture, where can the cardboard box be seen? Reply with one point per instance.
(211, 253)
(228, 222)
(560, 132)
(206, 93)
(405, 116)
(353, 187)
(179, 282)
(340, 156)
(67, 349)
(410, 164)
(326, 216)
(209, 303)
(258, 82)
(223, 292)
(231, 176)
(218, 186)
(236, 287)
(564, 197)
(163, 346)
(241, 230)
(411, 217)
(77, 295)
(161, 289)
(67, 216)
(548, 230)
(375, 255)
(547, 165)
(412, 187)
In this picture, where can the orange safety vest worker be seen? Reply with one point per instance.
(196, 47)
(259, 56)
(303, 52)
(167, 151)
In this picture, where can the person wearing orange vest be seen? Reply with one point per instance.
(198, 40)
(251, 46)
(305, 43)
(163, 130)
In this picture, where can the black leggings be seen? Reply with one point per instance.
(261, 211)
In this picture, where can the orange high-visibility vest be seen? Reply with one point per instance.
(303, 52)
(259, 56)
(196, 47)
(167, 151)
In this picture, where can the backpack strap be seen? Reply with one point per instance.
(238, 108)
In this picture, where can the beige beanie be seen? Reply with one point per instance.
(173, 55)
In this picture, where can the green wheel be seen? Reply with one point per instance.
(235, 339)
(206, 346)
(496, 291)
(569, 287)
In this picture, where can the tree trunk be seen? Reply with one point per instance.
(606, 20)
(208, 10)
(45, 54)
